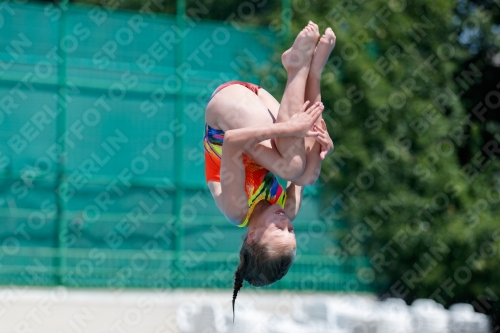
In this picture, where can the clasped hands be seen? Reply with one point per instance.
(303, 124)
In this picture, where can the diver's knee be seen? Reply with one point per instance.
(296, 168)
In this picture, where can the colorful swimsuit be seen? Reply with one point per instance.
(260, 183)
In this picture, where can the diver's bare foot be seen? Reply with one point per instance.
(301, 52)
(322, 52)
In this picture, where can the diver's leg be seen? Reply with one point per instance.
(297, 61)
(313, 93)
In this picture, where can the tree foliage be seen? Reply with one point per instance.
(413, 106)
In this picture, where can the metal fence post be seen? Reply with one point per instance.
(61, 165)
(179, 149)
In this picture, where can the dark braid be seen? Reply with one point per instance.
(260, 265)
(238, 283)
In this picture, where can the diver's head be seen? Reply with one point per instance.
(270, 226)
(268, 249)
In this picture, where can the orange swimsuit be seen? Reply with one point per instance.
(260, 183)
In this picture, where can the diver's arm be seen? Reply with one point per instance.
(233, 201)
(299, 125)
(293, 199)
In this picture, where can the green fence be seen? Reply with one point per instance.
(101, 156)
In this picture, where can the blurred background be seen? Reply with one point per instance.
(105, 212)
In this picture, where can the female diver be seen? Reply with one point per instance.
(250, 139)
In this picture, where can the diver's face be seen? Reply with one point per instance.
(273, 226)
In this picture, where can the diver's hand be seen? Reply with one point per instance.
(302, 122)
(324, 139)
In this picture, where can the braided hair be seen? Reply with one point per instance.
(261, 265)
(238, 283)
